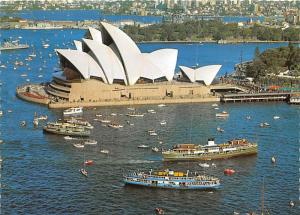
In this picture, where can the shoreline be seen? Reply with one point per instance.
(213, 41)
(132, 102)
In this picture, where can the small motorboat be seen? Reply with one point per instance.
(161, 105)
(143, 146)
(248, 117)
(204, 165)
(69, 138)
(155, 149)
(163, 122)
(276, 117)
(78, 145)
(273, 159)
(90, 142)
(43, 117)
(229, 171)
(159, 211)
(84, 172)
(74, 111)
(264, 125)
(105, 121)
(134, 114)
(220, 129)
(131, 108)
(213, 165)
(114, 125)
(214, 105)
(113, 114)
(23, 123)
(224, 114)
(104, 151)
(89, 162)
(153, 134)
(151, 111)
(291, 204)
(98, 115)
(36, 122)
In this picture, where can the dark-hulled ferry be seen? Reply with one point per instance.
(188, 152)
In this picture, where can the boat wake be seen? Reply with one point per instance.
(140, 161)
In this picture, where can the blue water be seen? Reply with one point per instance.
(40, 175)
(79, 15)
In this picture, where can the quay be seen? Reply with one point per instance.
(255, 97)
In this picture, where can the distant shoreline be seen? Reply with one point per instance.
(223, 43)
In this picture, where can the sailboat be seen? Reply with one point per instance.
(83, 170)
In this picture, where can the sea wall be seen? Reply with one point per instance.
(133, 102)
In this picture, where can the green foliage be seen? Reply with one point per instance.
(212, 29)
(274, 61)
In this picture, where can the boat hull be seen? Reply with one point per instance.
(190, 157)
(67, 133)
(172, 186)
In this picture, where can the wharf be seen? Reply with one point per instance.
(255, 97)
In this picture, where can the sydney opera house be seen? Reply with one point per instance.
(107, 65)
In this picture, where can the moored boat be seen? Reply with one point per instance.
(115, 125)
(90, 142)
(134, 114)
(169, 179)
(224, 114)
(66, 129)
(74, 111)
(81, 122)
(233, 148)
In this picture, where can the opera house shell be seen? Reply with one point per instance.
(107, 65)
(111, 56)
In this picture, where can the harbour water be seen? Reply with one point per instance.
(40, 172)
(80, 15)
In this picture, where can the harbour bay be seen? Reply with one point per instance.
(40, 175)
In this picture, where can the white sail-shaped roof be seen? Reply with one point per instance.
(78, 45)
(205, 73)
(165, 60)
(108, 61)
(129, 52)
(83, 62)
(96, 35)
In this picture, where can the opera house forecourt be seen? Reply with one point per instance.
(108, 68)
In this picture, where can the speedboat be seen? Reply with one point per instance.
(264, 125)
(69, 138)
(276, 117)
(224, 114)
(143, 146)
(73, 111)
(104, 151)
(114, 125)
(163, 122)
(89, 162)
(79, 146)
(229, 171)
(105, 121)
(84, 172)
(155, 149)
(134, 114)
(204, 165)
(220, 129)
(90, 142)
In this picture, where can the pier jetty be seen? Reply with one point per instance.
(255, 97)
